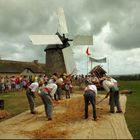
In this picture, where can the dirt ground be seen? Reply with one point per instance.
(108, 126)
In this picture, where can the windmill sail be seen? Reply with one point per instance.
(83, 40)
(45, 39)
(62, 21)
(69, 61)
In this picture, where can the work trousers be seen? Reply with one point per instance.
(58, 93)
(31, 100)
(48, 105)
(67, 92)
(114, 100)
(89, 96)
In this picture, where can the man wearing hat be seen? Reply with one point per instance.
(90, 96)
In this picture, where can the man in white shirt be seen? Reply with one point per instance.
(30, 92)
(53, 89)
(59, 83)
(111, 87)
(52, 85)
(90, 96)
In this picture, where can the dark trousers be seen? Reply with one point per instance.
(89, 96)
(48, 105)
(31, 100)
(58, 93)
(67, 93)
(114, 100)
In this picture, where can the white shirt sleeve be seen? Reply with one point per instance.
(53, 88)
(106, 86)
(91, 87)
(34, 86)
(94, 88)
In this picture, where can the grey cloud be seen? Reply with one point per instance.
(123, 17)
(19, 18)
(126, 34)
(24, 16)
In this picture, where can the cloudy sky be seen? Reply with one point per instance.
(114, 25)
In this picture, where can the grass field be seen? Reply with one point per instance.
(132, 114)
(16, 103)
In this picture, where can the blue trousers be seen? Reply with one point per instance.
(89, 96)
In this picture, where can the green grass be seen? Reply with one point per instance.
(132, 114)
(16, 102)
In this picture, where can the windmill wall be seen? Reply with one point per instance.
(54, 61)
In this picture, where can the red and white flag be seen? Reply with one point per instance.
(87, 52)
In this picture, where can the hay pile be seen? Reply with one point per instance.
(59, 127)
(3, 114)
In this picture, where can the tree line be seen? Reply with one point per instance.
(133, 77)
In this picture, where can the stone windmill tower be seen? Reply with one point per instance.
(59, 55)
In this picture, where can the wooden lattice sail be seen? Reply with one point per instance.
(98, 71)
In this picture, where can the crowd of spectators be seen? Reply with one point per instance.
(19, 83)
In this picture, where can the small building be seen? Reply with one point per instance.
(9, 68)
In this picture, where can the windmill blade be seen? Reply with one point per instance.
(83, 40)
(69, 60)
(62, 21)
(45, 39)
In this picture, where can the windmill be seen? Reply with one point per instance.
(59, 55)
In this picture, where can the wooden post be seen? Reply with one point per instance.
(91, 65)
(87, 64)
(108, 65)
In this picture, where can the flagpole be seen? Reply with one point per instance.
(87, 64)
(91, 65)
(108, 65)
(87, 53)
